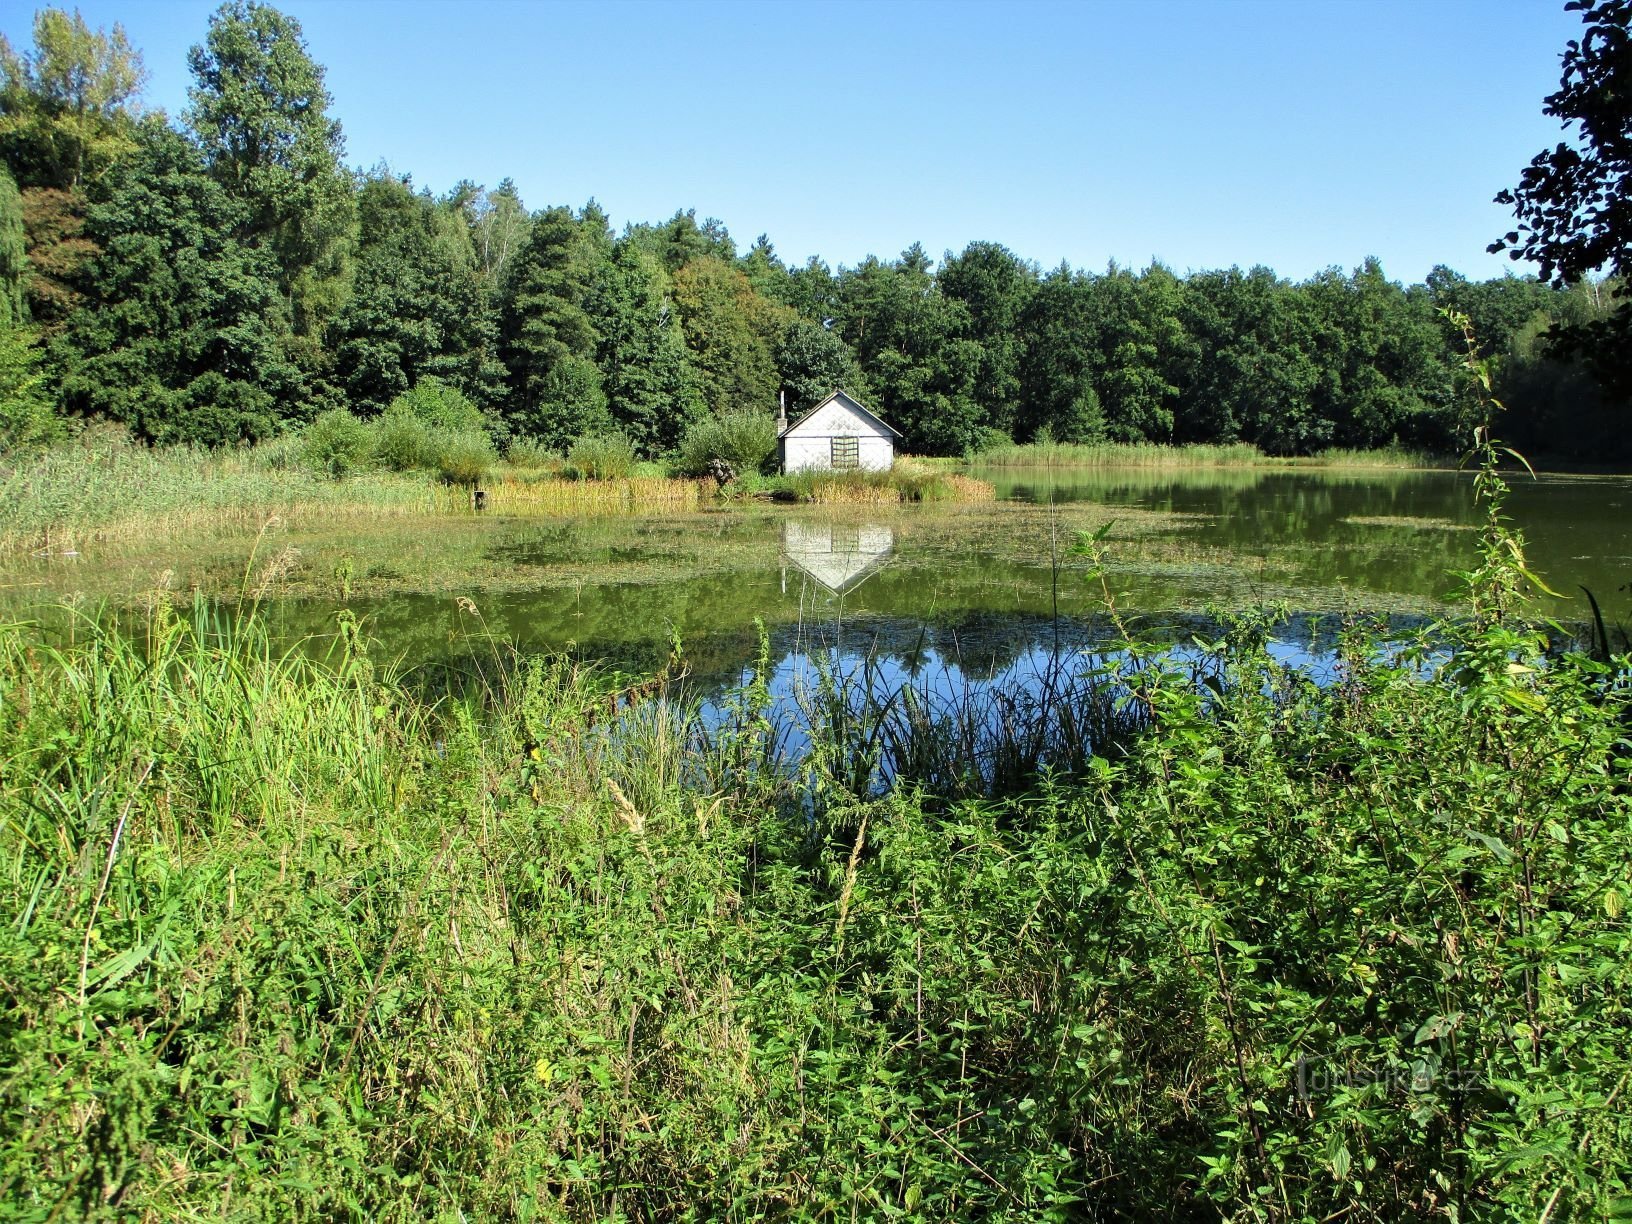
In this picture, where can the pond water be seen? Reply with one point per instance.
(979, 589)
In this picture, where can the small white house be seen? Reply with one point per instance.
(836, 434)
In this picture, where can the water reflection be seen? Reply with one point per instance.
(838, 556)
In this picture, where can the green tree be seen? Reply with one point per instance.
(499, 225)
(641, 353)
(680, 240)
(1061, 360)
(418, 307)
(1252, 376)
(26, 418)
(1384, 371)
(260, 113)
(911, 342)
(993, 284)
(176, 337)
(1573, 204)
(548, 337)
(13, 254)
(731, 334)
(65, 105)
(813, 362)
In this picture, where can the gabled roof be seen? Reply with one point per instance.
(850, 402)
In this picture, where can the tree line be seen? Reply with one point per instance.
(226, 276)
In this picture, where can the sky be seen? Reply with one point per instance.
(1301, 135)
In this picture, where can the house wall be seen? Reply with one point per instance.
(810, 444)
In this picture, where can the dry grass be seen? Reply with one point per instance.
(569, 497)
(969, 489)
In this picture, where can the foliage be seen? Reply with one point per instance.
(63, 104)
(337, 443)
(548, 335)
(437, 405)
(1573, 204)
(605, 456)
(26, 419)
(418, 309)
(745, 440)
(259, 110)
(731, 335)
(527, 454)
(179, 344)
(648, 390)
(464, 456)
(402, 442)
(13, 254)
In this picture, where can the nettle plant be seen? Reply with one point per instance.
(1392, 907)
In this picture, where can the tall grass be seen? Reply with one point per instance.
(1119, 454)
(640, 494)
(1194, 455)
(905, 482)
(103, 484)
(286, 936)
(1375, 457)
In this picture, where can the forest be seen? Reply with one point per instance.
(224, 276)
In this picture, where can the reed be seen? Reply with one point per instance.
(1120, 454)
(635, 495)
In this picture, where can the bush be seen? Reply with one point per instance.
(336, 443)
(465, 457)
(989, 437)
(402, 441)
(439, 406)
(745, 440)
(531, 453)
(607, 456)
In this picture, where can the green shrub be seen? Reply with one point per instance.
(439, 406)
(531, 453)
(607, 456)
(988, 438)
(402, 441)
(745, 440)
(464, 457)
(337, 443)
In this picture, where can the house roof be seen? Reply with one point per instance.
(850, 402)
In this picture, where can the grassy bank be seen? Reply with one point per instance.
(1198, 455)
(104, 486)
(909, 481)
(1193, 937)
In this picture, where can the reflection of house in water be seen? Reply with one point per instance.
(840, 556)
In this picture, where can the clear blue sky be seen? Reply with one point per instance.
(1296, 134)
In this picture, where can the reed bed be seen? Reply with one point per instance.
(1195, 455)
(103, 486)
(634, 495)
(907, 481)
(1120, 454)
(1375, 457)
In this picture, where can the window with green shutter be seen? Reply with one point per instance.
(846, 452)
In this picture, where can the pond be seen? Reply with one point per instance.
(976, 588)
